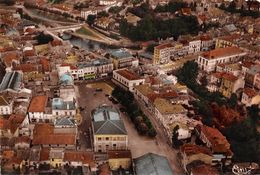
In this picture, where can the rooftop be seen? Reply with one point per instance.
(190, 149)
(60, 104)
(166, 107)
(117, 154)
(164, 46)
(38, 103)
(107, 121)
(222, 52)
(11, 80)
(78, 156)
(144, 89)
(127, 74)
(120, 54)
(250, 92)
(218, 142)
(152, 164)
(26, 67)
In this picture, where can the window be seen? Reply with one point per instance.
(114, 145)
(107, 138)
(99, 138)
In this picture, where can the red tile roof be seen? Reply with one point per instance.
(45, 64)
(250, 92)
(112, 154)
(127, 74)
(25, 139)
(153, 96)
(29, 53)
(190, 149)
(44, 154)
(79, 156)
(27, 67)
(69, 65)
(56, 42)
(38, 103)
(43, 134)
(218, 142)
(229, 77)
(54, 139)
(222, 52)
(163, 46)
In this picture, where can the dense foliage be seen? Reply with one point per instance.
(232, 8)
(243, 136)
(151, 28)
(44, 38)
(172, 6)
(142, 122)
(244, 140)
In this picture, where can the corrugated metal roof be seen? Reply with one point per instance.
(152, 164)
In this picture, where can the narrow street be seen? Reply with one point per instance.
(162, 140)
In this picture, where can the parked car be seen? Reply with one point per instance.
(99, 89)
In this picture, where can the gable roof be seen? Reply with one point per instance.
(38, 103)
(152, 164)
(107, 121)
(3, 101)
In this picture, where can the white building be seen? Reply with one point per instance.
(127, 79)
(6, 106)
(162, 53)
(36, 111)
(250, 97)
(194, 46)
(63, 108)
(166, 112)
(107, 2)
(209, 60)
(109, 132)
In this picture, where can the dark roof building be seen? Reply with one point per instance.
(152, 164)
(106, 120)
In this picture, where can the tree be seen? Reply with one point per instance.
(91, 19)
(204, 81)
(102, 14)
(176, 143)
(43, 38)
(150, 48)
(9, 2)
(189, 72)
(232, 102)
(152, 132)
(245, 141)
(253, 112)
(142, 128)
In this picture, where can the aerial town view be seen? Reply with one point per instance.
(130, 87)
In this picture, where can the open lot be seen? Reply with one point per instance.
(139, 145)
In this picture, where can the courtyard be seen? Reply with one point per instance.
(88, 98)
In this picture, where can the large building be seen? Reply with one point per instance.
(127, 79)
(218, 144)
(162, 53)
(209, 60)
(123, 59)
(151, 163)
(109, 131)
